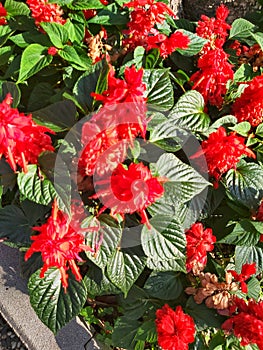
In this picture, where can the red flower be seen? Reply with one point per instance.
(247, 271)
(21, 140)
(213, 74)
(223, 152)
(247, 323)
(167, 45)
(130, 89)
(214, 29)
(129, 189)
(175, 329)
(59, 244)
(52, 50)
(43, 11)
(249, 106)
(3, 14)
(199, 242)
(89, 13)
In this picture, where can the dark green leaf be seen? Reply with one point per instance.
(59, 116)
(164, 243)
(5, 54)
(125, 266)
(54, 307)
(188, 113)
(203, 316)
(244, 255)
(34, 58)
(34, 188)
(245, 232)
(40, 96)
(243, 73)
(109, 234)
(165, 285)
(254, 288)
(13, 89)
(183, 180)
(245, 184)
(98, 283)
(78, 58)
(124, 333)
(14, 224)
(111, 16)
(159, 88)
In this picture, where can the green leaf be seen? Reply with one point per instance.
(244, 255)
(259, 130)
(245, 184)
(97, 283)
(124, 333)
(109, 233)
(125, 266)
(59, 116)
(14, 224)
(87, 84)
(5, 54)
(240, 29)
(13, 89)
(34, 188)
(5, 33)
(57, 33)
(242, 128)
(147, 332)
(34, 58)
(85, 4)
(15, 8)
(164, 242)
(243, 73)
(184, 182)
(254, 288)
(112, 16)
(165, 285)
(77, 57)
(203, 316)
(195, 46)
(228, 119)
(54, 307)
(40, 96)
(245, 232)
(188, 113)
(259, 38)
(159, 88)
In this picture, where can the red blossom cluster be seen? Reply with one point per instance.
(223, 152)
(246, 272)
(43, 11)
(3, 14)
(21, 139)
(117, 124)
(249, 106)
(142, 32)
(214, 69)
(130, 189)
(246, 322)
(175, 329)
(60, 242)
(199, 242)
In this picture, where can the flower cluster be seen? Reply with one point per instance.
(21, 139)
(246, 322)
(214, 69)
(223, 152)
(130, 189)
(142, 32)
(117, 124)
(175, 329)
(249, 106)
(43, 11)
(60, 241)
(199, 242)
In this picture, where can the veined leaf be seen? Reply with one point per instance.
(58, 35)
(246, 232)
(240, 29)
(54, 307)
(196, 44)
(34, 58)
(248, 255)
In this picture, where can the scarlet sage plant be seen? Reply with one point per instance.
(131, 175)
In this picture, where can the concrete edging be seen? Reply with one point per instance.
(16, 309)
